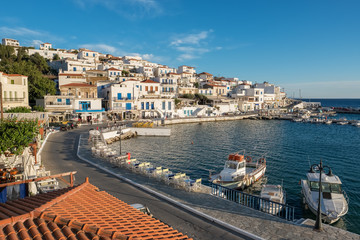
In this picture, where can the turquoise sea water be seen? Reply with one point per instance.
(289, 147)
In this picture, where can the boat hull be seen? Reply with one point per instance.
(313, 206)
(253, 177)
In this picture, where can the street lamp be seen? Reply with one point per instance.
(320, 168)
(119, 132)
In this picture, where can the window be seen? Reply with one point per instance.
(12, 81)
(151, 89)
(152, 105)
(93, 54)
(156, 88)
(163, 105)
(74, 69)
(169, 105)
(146, 88)
(87, 54)
(59, 100)
(24, 82)
(142, 106)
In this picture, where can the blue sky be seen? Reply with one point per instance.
(307, 45)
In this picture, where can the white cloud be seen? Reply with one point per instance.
(190, 46)
(190, 38)
(101, 47)
(104, 48)
(19, 31)
(36, 43)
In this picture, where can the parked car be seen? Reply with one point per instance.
(141, 208)
(64, 127)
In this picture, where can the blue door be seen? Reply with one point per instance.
(129, 95)
(119, 96)
(147, 105)
(152, 105)
(85, 105)
(128, 106)
(142, 105)
(68, 101)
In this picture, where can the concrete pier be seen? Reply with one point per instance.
(202, 119)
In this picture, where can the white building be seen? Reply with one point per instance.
(88, 54)
(67, 78)
(10, 42)
(186, 69)
(15, 91)
(163, 70)
(45, 46)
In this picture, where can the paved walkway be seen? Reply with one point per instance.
(255, 222)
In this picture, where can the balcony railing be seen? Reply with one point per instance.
(123, 99)
(13, 100)
(57, 104)
(168, 83)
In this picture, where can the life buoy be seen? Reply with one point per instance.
(262, 160)
(248, 159)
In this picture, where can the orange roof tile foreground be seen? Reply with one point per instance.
(81, 212)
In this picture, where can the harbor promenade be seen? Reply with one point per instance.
(257, 223)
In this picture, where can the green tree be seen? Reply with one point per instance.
(125, 73)
(34, 67)
(38, 108)
(18, 110)
(15, 135)
(56, 57)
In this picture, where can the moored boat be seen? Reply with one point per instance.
(240, 171)
(273, 197)
(334, 203)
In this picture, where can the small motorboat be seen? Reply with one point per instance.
(240, 171)
(334, 201)
(273, 197)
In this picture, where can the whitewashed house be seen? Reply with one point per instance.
(15, 91)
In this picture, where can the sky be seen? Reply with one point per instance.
(311, 49)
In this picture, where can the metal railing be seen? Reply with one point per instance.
(255, 202)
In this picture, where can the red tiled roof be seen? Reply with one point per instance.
(71, 74)
(149, 81)
(208, 74)
(77, 85)
(81, 212)
(114, 69)
(15, 75)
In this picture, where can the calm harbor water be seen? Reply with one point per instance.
(290, 148)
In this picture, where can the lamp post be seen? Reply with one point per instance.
(119, 132)
(320, 168)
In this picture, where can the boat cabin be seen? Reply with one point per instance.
(329, 184)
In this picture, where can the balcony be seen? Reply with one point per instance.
(123, 99)
(168, 83)
(13, 100)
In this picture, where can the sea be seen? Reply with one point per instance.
(290, 149)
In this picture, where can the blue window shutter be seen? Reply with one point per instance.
(129, 95)
(119, 96)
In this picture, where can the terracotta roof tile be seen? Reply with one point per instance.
(77, 85)
(81, 212)
(148, 81)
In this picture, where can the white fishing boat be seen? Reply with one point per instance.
(240, 171)
(328, 121)
(342, 123)
(334, 202)
(272, 198)
(356, 124)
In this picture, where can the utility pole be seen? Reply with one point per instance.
(1, 102)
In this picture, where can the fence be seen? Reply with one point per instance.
(255, 202)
